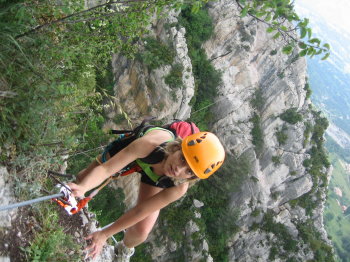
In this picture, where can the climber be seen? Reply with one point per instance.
(173, 161)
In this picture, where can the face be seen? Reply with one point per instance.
(176, 166)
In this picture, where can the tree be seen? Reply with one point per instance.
(282, 20)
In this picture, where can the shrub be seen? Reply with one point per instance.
(276, 160)
(257, 134)
(310, 235)
(273, 253)
(199, 28)
(307, 132)
(308, 90)
(281, 136)
(156, 54)
(58, 78)
(51, 241)
(258, 101)
(256, 212)
(214, 194)
(174, 78)
(291, 116)
(280, 231)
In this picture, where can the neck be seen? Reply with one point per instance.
(158, 168)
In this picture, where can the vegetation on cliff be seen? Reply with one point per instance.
(55, 77)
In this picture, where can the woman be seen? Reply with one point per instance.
(171, 161)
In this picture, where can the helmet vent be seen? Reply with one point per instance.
(191, 143)
(213, 165)
(198, 140)
(203, 137)
(208, 170)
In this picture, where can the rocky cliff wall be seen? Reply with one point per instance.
(257, 80)
(253, 69)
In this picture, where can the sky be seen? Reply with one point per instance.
(335, 12)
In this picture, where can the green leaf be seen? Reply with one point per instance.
(302, 32)
(303, 52)
(287, 49)
(319, 52)
(302, 45)
(244, 11)
(260, 14)
(326, 56)
(327, 46)
(296, 17)
(310, 51)
(309, 32)
(270, 29)
(315, 41)
(277, 35)
(196, 7)
(268, 17)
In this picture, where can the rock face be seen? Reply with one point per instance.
(141, 91)
(6, 198)
(253, 69)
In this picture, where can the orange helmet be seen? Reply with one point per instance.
(204, 153)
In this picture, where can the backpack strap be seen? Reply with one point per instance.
(148, 170)
(158, 128)
(146, 167)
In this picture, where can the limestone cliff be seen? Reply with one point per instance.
(257, 80)
(279, 201)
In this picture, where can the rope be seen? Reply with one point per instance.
(208, 106)
(29, 202)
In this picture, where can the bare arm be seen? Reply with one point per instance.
(139, 148)
(144, 209)
(135, 215)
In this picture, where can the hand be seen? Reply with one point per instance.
(98, 239)
(77, 190)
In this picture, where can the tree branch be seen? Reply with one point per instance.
(284, 34)
(63, 19)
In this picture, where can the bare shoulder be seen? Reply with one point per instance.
(174, 193)
(157, 136)
(144, 145)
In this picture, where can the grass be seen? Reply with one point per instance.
(58, 77)
(51, 241)
(338, 228)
